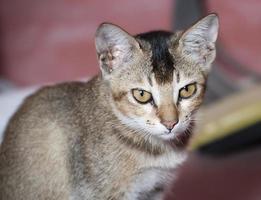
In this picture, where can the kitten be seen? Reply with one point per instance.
(117, 136)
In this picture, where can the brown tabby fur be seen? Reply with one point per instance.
(66, 142)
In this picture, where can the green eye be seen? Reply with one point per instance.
(187, 91)
(141, 96)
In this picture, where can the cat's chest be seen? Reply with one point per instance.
(155, 172)
(149, 184)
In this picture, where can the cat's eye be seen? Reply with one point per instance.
(141, 96)
(187, 91)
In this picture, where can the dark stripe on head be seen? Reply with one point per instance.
(150, 81)
(178, 76)
(162, 60)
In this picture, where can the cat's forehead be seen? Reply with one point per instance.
(161, 60)
(165, 62)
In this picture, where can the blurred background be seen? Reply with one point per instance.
(50, 41)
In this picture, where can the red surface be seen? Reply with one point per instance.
(53, 40)
(234, 177)
(240, 29)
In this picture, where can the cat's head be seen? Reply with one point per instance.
(157, 79)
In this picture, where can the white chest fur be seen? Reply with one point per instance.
(155, 172)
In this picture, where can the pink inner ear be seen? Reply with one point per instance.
(114, 45)
(105, 59)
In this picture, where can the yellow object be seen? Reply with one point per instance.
(228, 116)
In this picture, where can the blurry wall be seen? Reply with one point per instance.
(240, 29)
(53, 40)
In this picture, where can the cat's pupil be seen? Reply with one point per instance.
(141, 93)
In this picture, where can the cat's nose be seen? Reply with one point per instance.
(169, 124)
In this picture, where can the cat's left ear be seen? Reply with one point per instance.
(115, 48)
(198, 42)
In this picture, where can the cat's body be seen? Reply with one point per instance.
(88, 141)
(60, 152)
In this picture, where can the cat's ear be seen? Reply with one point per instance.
(114, 46)
(198, 42)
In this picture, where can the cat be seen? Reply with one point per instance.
(118, 135)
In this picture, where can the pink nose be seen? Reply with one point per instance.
(169, 124)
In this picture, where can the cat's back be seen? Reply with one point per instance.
(52, 108)
(35, 144)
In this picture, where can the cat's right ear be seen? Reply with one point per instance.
(114, 46)
(198, 42)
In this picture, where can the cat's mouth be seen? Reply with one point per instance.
(177, 140)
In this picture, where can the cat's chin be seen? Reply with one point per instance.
(167, 136)
(177, 140)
